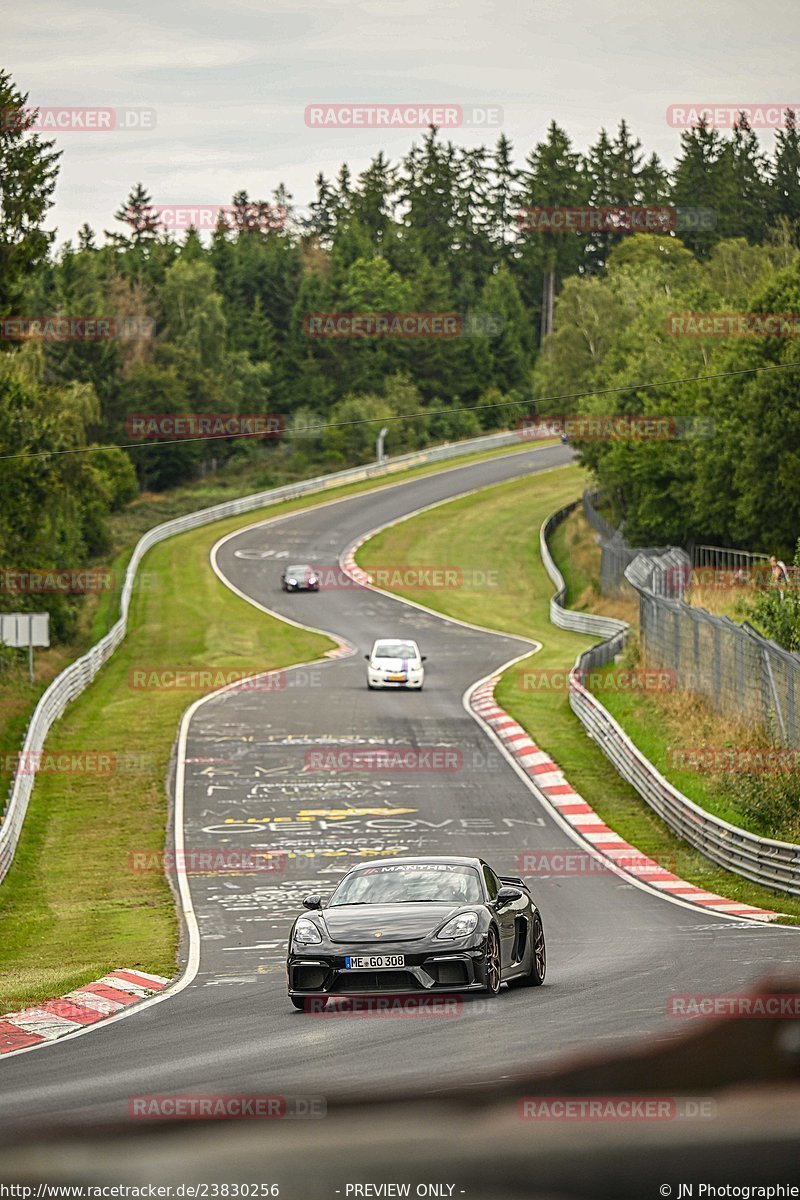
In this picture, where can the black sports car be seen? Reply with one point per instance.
(417, 925)
(300, 578)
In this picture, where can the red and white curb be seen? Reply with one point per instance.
(351, 567)
(550, 780)
(86, 1005)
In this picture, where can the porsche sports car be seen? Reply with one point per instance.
(395, 663)
(417, 925)
(300, 578)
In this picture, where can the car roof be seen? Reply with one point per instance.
(400, 637)
(422, 858)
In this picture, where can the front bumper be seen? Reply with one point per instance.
(450, 969)
(377, 679)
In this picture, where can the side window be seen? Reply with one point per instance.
(492, 884)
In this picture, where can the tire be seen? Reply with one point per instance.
(538, 968)
(493, 963)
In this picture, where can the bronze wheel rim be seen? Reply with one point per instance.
(493, 963)
(539, 950)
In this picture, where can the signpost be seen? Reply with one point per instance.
(25, 629)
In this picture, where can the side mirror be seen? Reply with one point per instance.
(366, 656)
(508, 894)
(423, 657)
(314, 901)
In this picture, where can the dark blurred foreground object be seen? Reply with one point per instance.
(746, 1070)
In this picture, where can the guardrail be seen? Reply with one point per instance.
(75, 678)
(766, 861)
(567, 618)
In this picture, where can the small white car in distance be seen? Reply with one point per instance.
(395, 663)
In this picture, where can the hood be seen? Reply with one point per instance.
(395, 922)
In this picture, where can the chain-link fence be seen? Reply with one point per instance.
(743, 674)
(616, 555)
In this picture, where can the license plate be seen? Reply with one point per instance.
(369, 962)
(396, 678)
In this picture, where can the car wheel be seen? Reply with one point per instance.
(536, 974)
(492, 962)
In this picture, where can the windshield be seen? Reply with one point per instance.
(298, 570)
(395, 650)
(448, 883)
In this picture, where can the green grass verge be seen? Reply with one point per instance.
(71, 908)
(498, 530)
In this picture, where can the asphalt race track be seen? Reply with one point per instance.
(616, 951)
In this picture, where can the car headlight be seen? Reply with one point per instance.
(306, 931)
(291, 581)
(312, 579)
(459, 926)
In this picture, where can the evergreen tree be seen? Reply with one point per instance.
(785, 182)
(28, 169)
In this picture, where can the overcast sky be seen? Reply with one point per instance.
(230, 82)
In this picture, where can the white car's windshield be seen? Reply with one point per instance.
(394, 650)
(447, 883)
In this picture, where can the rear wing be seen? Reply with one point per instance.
(513, 879)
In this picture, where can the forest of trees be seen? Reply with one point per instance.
(440, 231)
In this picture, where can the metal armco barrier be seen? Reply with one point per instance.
(762, 860)
(78, 675)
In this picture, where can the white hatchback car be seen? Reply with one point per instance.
(395, 663)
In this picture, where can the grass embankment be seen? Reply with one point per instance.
(498, 531)
(70, 907)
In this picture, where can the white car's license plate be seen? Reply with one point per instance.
(368, 962)
(396, 678)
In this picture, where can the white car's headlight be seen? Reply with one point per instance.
(312, 579)
(305, 931)
(292, 581)
(459, 926)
